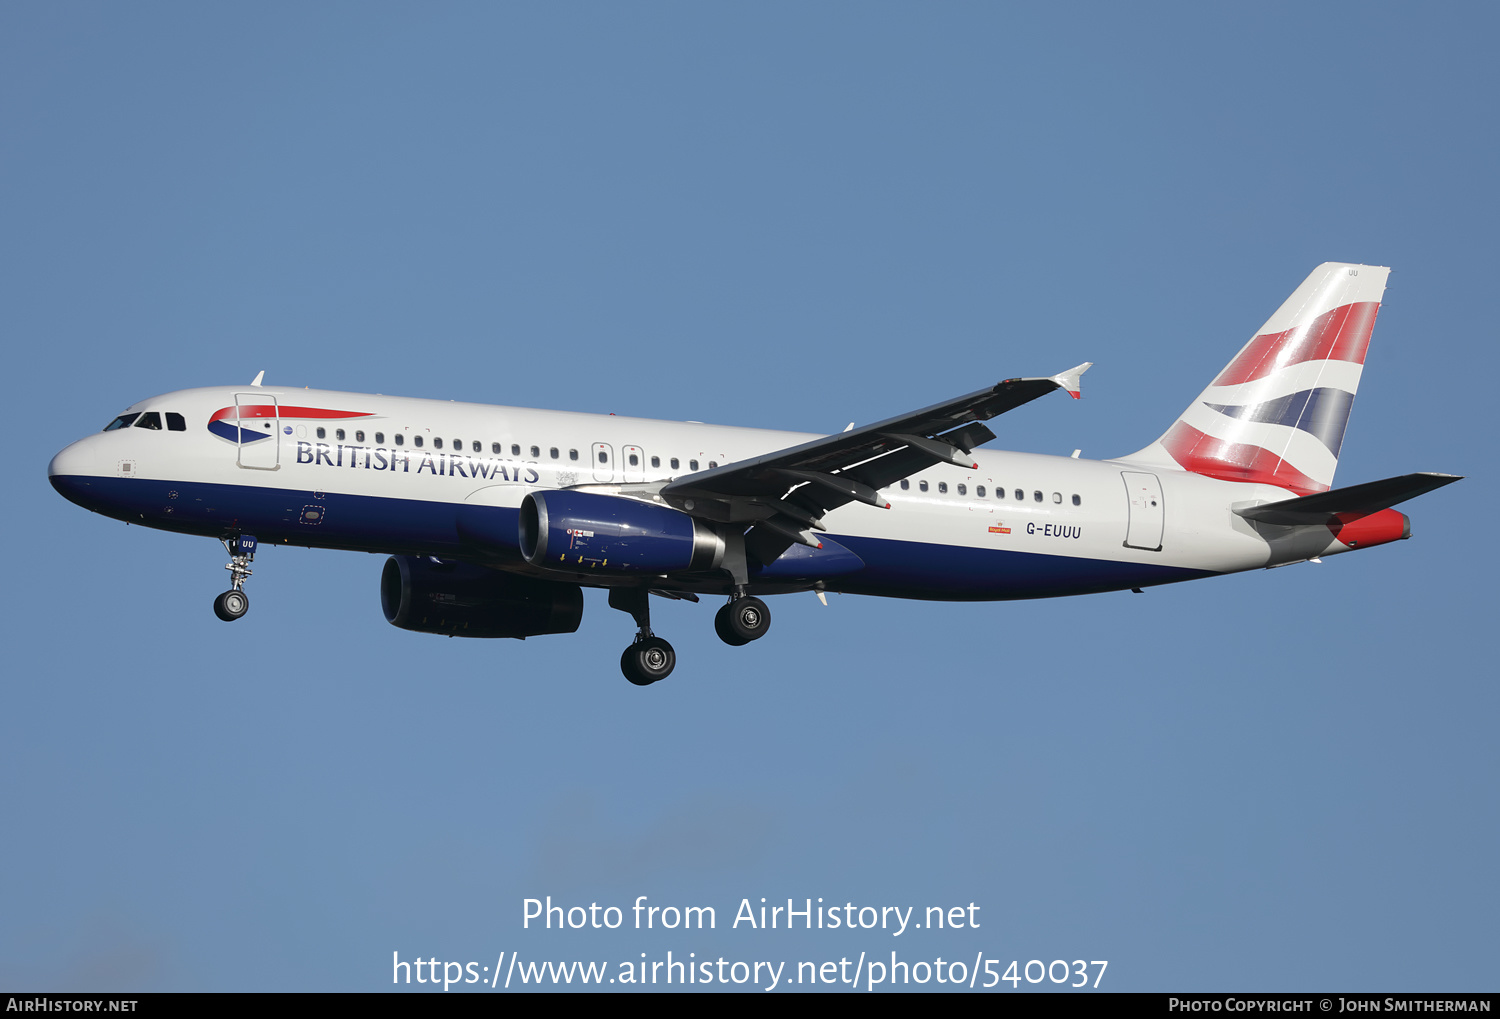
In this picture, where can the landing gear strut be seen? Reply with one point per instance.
(650, 659)
(743, 619)
(234, 603)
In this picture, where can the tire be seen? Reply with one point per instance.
(231, 605)
(648, 661)
(725, 631)
(748, 619)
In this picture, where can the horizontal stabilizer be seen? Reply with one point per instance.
(1371, 497)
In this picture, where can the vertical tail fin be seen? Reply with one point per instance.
(1276, 414)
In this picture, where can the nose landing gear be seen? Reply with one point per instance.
(234, 603)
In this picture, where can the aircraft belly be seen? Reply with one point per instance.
(907, 569)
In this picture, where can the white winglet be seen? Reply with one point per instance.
(258, 378)
(1069, 379)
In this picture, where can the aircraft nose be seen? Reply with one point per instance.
(71, 472)
(69, 461)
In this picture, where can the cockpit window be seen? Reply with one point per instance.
(175, 422)
(151, 419)
(123, 421)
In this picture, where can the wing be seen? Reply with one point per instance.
(785, 494)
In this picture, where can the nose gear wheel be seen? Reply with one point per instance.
(234, 603)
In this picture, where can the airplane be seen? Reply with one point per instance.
(495, 518)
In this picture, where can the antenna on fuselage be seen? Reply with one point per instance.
(258, 377)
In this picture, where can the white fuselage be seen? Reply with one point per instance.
(391, 473)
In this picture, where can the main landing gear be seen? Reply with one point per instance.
(234, 602)
(741, 620)
(650, 659)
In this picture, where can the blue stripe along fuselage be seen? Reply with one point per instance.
(893, 568)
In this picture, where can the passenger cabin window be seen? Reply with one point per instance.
(380, 437)
(634, 460)
(692, 465)
(495, 448)
(416, 440)
(674, 463)
(656, 461)
(1020, 496)
(922, 485)
(1057, 497)
(359, 436)
(151, 419)
(1077, 501)
(712, 464)
(1037, 496)
(322, 432)
(603, 457)
(963, 490)
(123, 421)
(400, 439)
(338, 433)
(572, 454)
(437, 443)
(979, 491)
(905, 484)
(515, 449)
(943, 487)
(536, 452)
(458, 444)
(552, 452)
(175, 422)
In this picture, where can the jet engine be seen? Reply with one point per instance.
(461, 600)
(579, 531)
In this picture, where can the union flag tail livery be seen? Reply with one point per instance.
(1276, 414)
(496, 518)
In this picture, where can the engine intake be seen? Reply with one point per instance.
(581, 531)
(461, 600)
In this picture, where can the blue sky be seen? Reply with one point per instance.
(785, 215)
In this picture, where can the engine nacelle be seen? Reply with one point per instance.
(460, 600)
(581, 531)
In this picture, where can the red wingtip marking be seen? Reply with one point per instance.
(1075, 394)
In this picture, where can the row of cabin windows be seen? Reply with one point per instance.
(979, 492)
(498, 449)
(151, 419)
(175, 423)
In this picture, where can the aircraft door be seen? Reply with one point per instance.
(1147, 513)
(258, 417)
(604, 461)
(634, 466)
